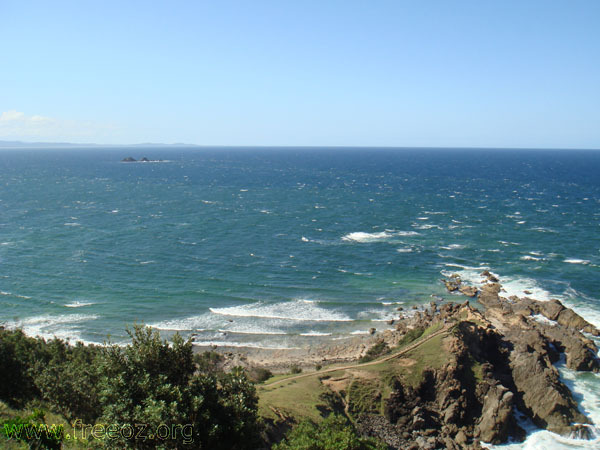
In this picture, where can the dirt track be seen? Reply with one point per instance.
(370, 363)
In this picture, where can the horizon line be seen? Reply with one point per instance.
(54, 145)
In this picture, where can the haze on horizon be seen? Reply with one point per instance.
(334, 73)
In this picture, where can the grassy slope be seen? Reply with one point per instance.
(364, 387)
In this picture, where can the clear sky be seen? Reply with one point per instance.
(291, 72)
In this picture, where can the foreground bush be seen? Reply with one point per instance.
(334, 433)
(149, 382)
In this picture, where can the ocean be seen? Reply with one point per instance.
(285, 248)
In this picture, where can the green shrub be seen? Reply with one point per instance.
(259, 374)
(18, 356)
(33, 431)
(295, 369)
(380, 348)
(410, 336)
(208, 362)
(334, 433)
(153, 382)
(69, 380)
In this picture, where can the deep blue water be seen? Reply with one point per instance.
(262, 246)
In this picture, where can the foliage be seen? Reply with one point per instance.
(333, 433)
(410, 336)
(151, 382)
(380, 348)
(208, 362)
(259, 374)
(18, 355)
(154, 383)
(68, 381)
(33, 431)
(364, 396)
(295, 369)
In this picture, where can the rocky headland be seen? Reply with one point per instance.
(451, 375)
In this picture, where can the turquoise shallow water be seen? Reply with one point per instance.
(283, 248)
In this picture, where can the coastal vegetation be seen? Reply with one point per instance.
(150, 382)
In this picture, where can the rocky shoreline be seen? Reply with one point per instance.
(493, 362)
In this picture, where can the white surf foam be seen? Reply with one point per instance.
(200, 322)
(242, 345)
(520, 287)
(576, 261)
(315, 333)
(541, 319)
(453, 247)
(529, 258)
(63, 326)
(10, 294)
(362, 237)
(298, 310)
(78, 304)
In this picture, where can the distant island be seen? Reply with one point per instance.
(130, 159)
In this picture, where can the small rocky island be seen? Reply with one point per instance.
(450, 375)
(130, 159)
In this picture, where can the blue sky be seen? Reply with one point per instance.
(372, 73)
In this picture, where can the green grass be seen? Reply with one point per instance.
(296, 398)
(430, 355)
(305, 397)
(364, 396)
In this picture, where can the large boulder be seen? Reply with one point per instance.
(540, 391)
(496, 420)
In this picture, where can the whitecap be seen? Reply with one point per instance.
(576, 261)
(529, 258)
(202, 322)
(453, 247)
(359, 236)
(359, 332)
(78, 304)
(427, 227)
(297, 310)
(26, 297)
(404, 250)
(315, 333)
(362, 237)
(543, 230)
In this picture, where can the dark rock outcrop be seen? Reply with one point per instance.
(502, 360)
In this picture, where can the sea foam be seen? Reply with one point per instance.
(362, 237)
(293, 310)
